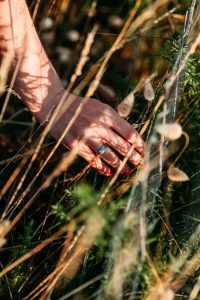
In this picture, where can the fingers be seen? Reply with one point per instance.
(91, 157)
(124, 129)
(106, 136)
(104, 126)
(109, 156)
(119, 144)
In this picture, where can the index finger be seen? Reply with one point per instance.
(130, 134)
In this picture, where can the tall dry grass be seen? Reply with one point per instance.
(139, 216)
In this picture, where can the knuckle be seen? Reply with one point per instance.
(114, 161)
(124, 148)
(107, 108)
(135, 159)
(134, 138)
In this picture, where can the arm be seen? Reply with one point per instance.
(37, 80)
(40, 88)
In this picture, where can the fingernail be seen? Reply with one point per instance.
(108, 173)
(126, 171)
(140, 151)
(105, 172)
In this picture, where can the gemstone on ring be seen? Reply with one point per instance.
(102, 150)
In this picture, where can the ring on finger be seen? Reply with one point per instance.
(102, 150)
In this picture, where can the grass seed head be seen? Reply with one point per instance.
(106, 92)
(47, 24)
(176, 174)
(64, 54)
(73, 35)
(171, 131)
(126, 259)
(149, 93)
(115, 21)
(125, 107)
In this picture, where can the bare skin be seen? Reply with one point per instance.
(41, 90)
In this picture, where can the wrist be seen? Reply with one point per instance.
(48, 105)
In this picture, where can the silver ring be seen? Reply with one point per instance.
(103, 149)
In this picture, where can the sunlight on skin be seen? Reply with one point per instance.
(41, 90)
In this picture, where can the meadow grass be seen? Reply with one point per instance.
(67, 232)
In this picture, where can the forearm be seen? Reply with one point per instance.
(37, 81)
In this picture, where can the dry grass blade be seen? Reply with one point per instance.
(46, 130)
(195, 291)
(84, 54)
(192, 49)
(12, 178)
(127, 185)
(91, 230)
(34, 250)
(187, 141)
(166, 290)
(158, 20)
(62, 166)
(125, 261)
(35, 10)
(148, 14)
(51, 121)
(137, 223)
(142, 83)
(83, 286)
(160, 293)
(35, 154)
(4, 70)
(177, 264)
(171, 281)
(191, 267)
(10, 88)
(2, 242)
(91, 90)
(3, 226)
(44, 284)
(114, 47)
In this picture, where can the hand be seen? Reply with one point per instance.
(99, 124)
(39, 86)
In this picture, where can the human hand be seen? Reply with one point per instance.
(40, 88)
(98, 124)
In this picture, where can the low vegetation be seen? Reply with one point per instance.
(67, 232)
